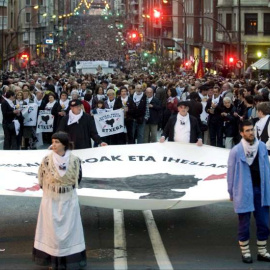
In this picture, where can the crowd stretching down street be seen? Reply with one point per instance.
(218, 104)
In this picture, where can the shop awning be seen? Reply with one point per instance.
(262, 64)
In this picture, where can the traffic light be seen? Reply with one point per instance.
(133, 35)
(231, 60)
(157, 16)
(153, 60)
(24, 60)
(25, 57)
(145, 54)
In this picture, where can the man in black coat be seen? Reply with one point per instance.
(139, 99)
(152, 116)
(182, 127)
(80, 126)
(215, 121)
(9, 114)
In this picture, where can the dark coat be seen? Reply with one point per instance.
(7, 111)
(195, 109)
(82, 132)
(216, 117)
(230, 121)
(131, 107)
(57, 118)
(154, 118)
(161, 95)
(139, 111)
(195, 132)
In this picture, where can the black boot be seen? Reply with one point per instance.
(263, 255)
(246, 256)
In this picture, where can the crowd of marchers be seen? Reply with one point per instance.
(209, 110)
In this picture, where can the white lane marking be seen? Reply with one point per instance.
(160, 252)
(120, 247)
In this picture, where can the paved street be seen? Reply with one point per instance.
(196, 238)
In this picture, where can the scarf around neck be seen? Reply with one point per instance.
(215, 100)
(110, 103)
(64, 104)
(250, 150)
(259, 126)
(124, 101)
(73, 118)
(183, 119)
(49, 105)
(137, 98)
(61, 162)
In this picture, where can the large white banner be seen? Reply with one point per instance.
(91, 64)
(29, 113)
(143, 176)
(109, 122)
(44, 122)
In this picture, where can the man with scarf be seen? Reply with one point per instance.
(215, 121)
(12, 120)
(248, 178)
(80, 126)
(182, 127)
(139, 99)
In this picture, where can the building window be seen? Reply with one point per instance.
(28, 2)
(266, 29)
(40, 2)
(220, 21)
(229, 22)
(27, 17)
(251, 24)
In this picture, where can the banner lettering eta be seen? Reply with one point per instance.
(29, 113)
(45, 122)
(141, 176)
(109, 122)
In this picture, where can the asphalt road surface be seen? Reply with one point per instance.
(196, 238)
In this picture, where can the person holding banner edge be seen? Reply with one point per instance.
(80, 126)
(182, 127)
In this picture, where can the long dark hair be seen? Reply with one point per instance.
(63, 137)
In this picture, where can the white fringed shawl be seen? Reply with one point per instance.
(50, 180)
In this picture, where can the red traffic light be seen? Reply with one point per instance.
(24, 57)
(133, 35)
(157, 14)
(231, 60)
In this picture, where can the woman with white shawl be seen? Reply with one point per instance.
(59, 239)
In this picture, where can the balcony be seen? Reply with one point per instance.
(222, 36)
(244, 3)
(225, 3)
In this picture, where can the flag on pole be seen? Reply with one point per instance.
(200, 71)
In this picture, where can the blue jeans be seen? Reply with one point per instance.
(140, 131)
(261, 215)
